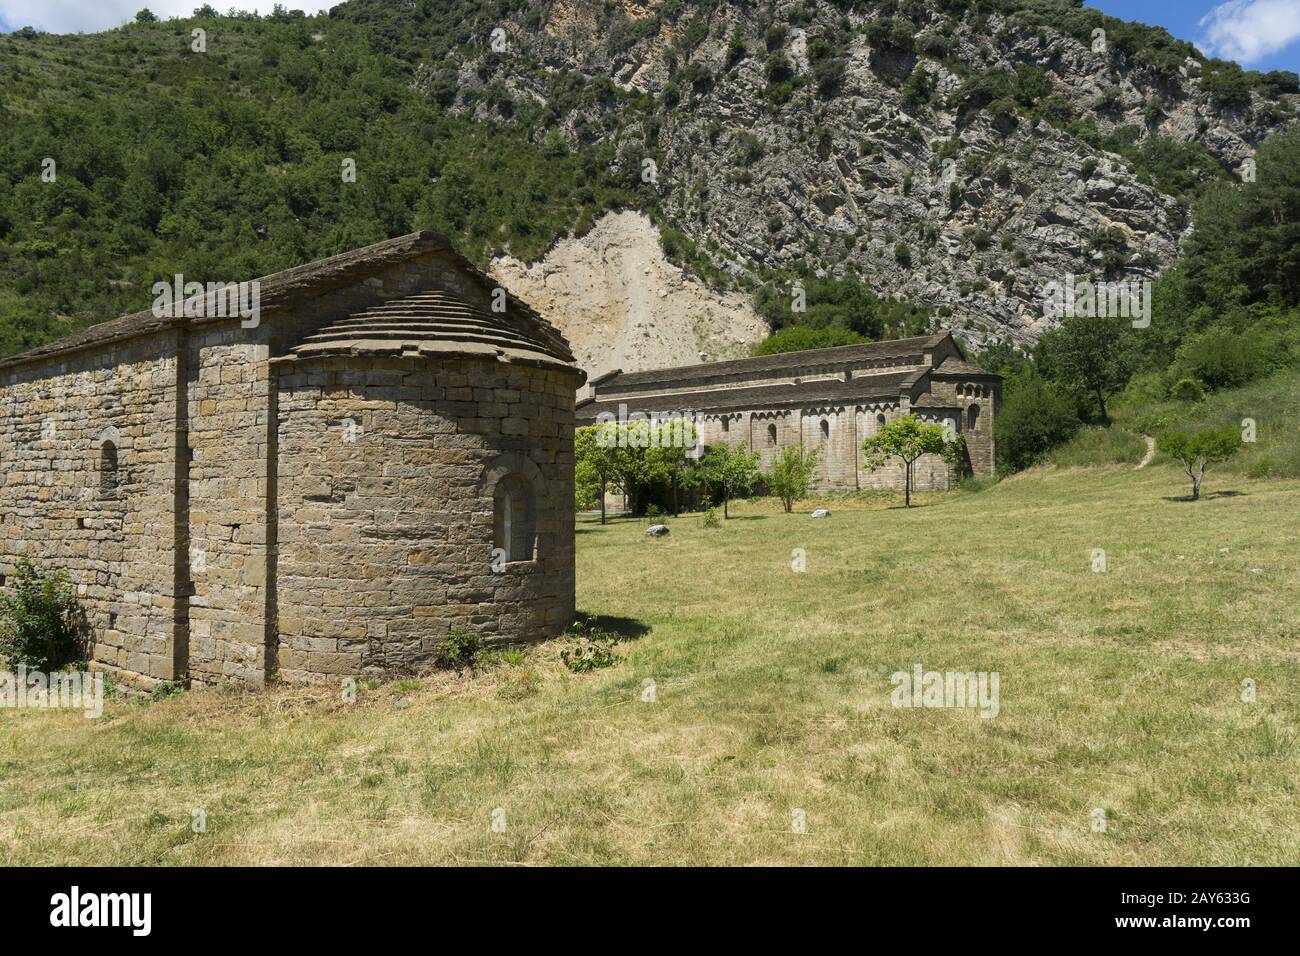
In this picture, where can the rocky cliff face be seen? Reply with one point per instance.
(850, 137)
(623, 305)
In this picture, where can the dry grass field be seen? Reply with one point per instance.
(1119, 691)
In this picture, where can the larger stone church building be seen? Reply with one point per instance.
(823, 400)
(383, 454)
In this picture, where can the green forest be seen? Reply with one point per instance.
(162, 160)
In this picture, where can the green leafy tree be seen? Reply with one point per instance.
(630, 457)
(1196, 450)
(907, 439)
(595, 463)
(790, 476)
(734, 470)
(1093, 356)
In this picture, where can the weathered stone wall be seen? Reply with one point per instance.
(232, 500)
(177, 570)
(118, 545)
(760, 434)
(977, 425)
(387, 468)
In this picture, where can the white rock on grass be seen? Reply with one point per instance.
(821, 513)
(656, 530)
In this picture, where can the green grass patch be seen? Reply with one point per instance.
(771, 689)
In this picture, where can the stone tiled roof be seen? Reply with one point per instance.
(293, 286)
(868, 388)
(438, 323)
(929, 401)
(899, 349)
(955, 366)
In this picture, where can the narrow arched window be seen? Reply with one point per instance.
(880, 422)
(109, 479)
(726, 424)
(972, 418)
(513, 518)
(826, 430)
(771, 434)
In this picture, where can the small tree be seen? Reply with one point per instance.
(38, 622)
(907, 439)
(595, 464)
(733, 470)
(791, 475)
(1195, 450)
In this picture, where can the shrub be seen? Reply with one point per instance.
(1187, 390)
(1221, 358)
(796, 338)
(790, 476)
(461, 649)
(1034, 418)
(590, 647)
(589, 654)
(710, 519)
(38, 621)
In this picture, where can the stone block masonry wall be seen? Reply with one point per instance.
(228, 467)
(977, 428)
(758, 434)
(837, 449)
(387, 468)
(929, 472)
(117, 546)
(233, 468)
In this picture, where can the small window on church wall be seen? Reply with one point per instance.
(826, 430)
(513, 518)
(880, 422)
(726, 424)
(771, 434)
(972, 418)
(108, 474)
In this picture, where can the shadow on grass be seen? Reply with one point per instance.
(627, 628)
(1207, 497)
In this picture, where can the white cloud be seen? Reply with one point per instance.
(1249, 30)
(90, 16)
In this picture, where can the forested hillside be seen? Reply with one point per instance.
(1222, 345)
(912, 163)
(229, 163)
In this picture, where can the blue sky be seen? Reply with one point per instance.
(1259, 34)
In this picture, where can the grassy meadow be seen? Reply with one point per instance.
(1119, 691)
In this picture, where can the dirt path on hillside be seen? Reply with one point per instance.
(1150, 452)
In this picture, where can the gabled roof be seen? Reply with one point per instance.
(888, 385)
(285, 289)
(897, 349)
(956, 366)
